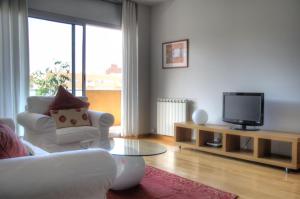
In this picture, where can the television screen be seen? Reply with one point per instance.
(243, 108)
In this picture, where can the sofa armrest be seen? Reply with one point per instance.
(74, 174)
(36, 122)
(9, 122)
(100, 119)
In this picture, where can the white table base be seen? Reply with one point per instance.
(130, 171)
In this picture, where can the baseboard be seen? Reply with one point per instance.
(151, 135)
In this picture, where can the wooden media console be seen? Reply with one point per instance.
(259, 143)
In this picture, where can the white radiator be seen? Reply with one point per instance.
(168, 112)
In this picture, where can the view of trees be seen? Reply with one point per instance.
(45, 83)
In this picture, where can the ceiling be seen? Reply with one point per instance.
(146, 2)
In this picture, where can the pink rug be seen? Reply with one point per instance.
(158, 184)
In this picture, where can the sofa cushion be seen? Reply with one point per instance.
(76, 134)
(70, 117)
(40, 104)
(10, 145)
(65, 100)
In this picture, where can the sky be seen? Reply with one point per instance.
(51, 41)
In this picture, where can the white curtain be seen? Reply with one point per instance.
(130, 102)
(14, 57)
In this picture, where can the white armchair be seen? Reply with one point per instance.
(41, 130)
(69, 175)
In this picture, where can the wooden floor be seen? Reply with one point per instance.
(247, 180)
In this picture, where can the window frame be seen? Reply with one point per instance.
(73, 21)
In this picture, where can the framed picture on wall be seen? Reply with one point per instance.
(175, 54)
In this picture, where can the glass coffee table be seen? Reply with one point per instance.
(128, 155)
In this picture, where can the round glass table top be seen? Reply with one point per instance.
(126, 147)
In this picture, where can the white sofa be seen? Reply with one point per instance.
(86, 174)
(41, 131)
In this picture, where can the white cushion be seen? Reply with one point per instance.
(76, 134)
(41, 104)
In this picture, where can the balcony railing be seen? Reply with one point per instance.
(106, 101)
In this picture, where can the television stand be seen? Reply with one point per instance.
(258, 149)
(242, 128)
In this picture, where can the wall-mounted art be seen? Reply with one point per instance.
(175, 54)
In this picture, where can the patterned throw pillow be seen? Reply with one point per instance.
(71, 117)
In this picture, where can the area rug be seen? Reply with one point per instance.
(158, 184)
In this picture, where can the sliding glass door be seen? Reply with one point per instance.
(55, 51)
(84, 58)
(50, 56)
(104, 69)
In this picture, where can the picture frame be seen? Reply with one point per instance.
(175, 54)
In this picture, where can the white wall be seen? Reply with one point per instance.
(235, 45)
(94, 10)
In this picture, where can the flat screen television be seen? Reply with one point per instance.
(245, 109)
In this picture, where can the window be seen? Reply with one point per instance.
(104, 69)
(103, 58)
(50, 52)
(86, 59)
(50, 49)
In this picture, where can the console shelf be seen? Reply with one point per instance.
(258, 148)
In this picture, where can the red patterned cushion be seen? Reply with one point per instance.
(10, 145)
(65, 100)
(71, 117)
